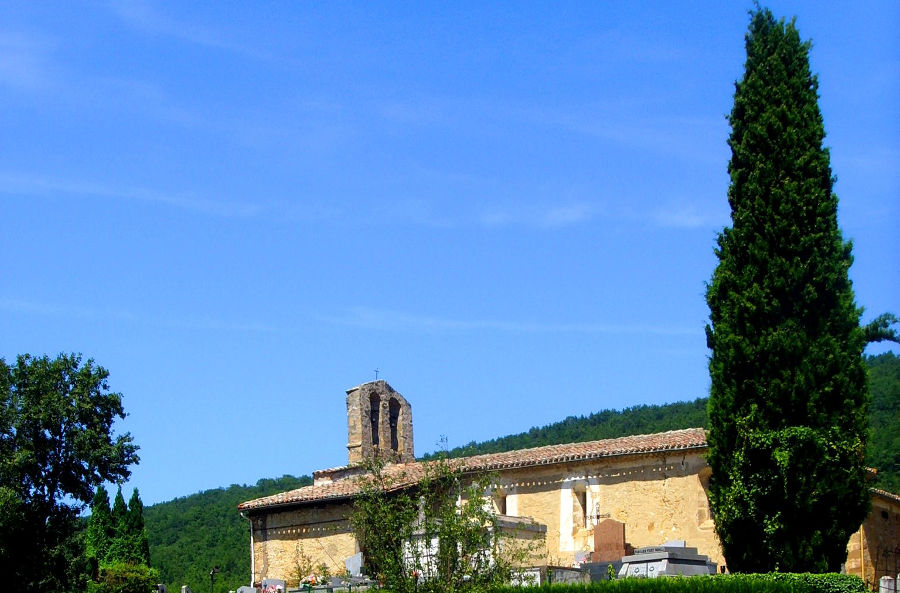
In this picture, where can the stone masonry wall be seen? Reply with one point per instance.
(360, 414)
(880, 532)
(658, 498)
(280, 538)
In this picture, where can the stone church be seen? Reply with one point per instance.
(653, 484)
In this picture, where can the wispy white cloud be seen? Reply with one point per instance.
(358, 317)
(408, 113)
(615, 46)
(668, 136)
(23, 61)
(420, 212)
(873, 158)
(32, 63)
(382, 320)
(694, 138)
(551, 217)
(495, 217)
(143, 16)
(21, 307)
(18, 185)
(686, 216)
(566, 215)
(141, 97)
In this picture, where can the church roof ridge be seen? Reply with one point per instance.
(407, 474)
(885, 494)
(687, 438)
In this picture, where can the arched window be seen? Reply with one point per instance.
(394, 416)
(374, 409)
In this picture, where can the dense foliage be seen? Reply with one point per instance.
(116, 545)
(730, 583)
(56, 445)
(788, 398)
(438, 536)
(192, 534)
(884, 419)
(382, 522)
(124, 577)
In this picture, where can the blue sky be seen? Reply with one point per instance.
(243, 209)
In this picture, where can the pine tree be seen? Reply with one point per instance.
(129, 543)
(119, 548)
(788, 401)
(136, 532)
(119, 512)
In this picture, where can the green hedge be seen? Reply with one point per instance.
(737, 583)
(824, 583)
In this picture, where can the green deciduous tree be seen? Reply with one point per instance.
(438, 535)
(788, 401)
(56, 446)
(383, 519)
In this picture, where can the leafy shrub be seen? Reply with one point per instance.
(436, 536)
(820, 583)
(125, 578)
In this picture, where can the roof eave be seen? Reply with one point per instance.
(497, 467)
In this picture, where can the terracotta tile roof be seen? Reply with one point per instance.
(401, 474)
(690, 438)
(406, 474)
(885, 494)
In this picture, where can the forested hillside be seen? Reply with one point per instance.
(607, 424)
(884, 421)
(190, 535)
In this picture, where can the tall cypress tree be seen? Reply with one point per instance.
(119, 547)
(127, 542)
(100, 529)
(119, 512)
(788, 401)
(137, 534)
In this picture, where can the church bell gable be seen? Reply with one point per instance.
(379, 424)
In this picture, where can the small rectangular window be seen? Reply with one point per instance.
(500, 502)
(579, 509)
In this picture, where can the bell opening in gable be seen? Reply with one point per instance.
(374, 410)
(394, 416)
